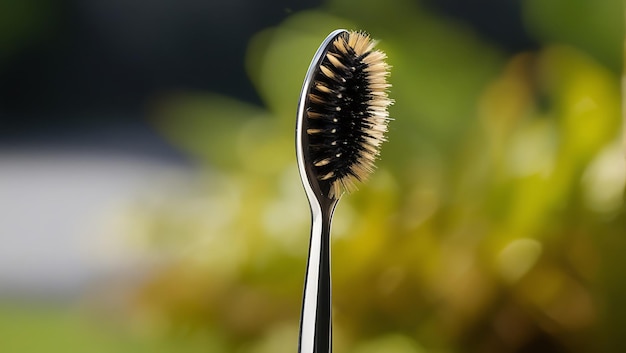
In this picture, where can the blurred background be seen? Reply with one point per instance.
(150, 201)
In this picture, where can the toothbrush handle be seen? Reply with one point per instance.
(316, 320)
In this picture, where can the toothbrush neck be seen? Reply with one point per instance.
(316, 320)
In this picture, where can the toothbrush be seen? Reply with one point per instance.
(341, 122)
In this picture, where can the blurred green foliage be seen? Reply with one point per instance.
(494, 222)
(595, 27)
(23, 22)
(495, 219)
(41, 328)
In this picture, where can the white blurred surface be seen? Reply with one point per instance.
(58, 214)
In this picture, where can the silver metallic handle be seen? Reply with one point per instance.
(316, 321)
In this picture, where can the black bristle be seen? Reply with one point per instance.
(346, 111)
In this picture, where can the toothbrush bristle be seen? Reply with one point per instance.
(347, 112)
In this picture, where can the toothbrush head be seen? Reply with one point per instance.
(342, 116)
